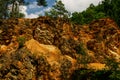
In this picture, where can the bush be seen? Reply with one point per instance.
(114, 67)
(88, 74)
(112, 72)
(80, 49)
(21, 41)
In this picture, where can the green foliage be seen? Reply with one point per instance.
(58, 10)
(90, 14)
(21, 15)
(112, 64)
(88, 74)
(80, 49)
(3, 9)
(77, 18)
(115, 75)
(21, 41)
(42, 2)
(107, 8)
(112, 9)
(80, 74)
(83, 56)
(114, 67)
(14, 15)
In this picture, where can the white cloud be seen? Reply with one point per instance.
(23, 9)
(32, 16)
(33, 5)
(47, 9)
(78, 5)
(42, 11)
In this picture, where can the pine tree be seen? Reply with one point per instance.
(58, 10)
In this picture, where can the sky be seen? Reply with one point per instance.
(33, 11)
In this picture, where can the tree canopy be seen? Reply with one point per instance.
(107, 8)
(112, 9)
(85, 17)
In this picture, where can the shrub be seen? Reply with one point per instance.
(21, 41)
(80, 49)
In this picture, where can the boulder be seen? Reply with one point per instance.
(60, 65)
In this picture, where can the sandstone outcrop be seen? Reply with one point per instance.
(49, 49)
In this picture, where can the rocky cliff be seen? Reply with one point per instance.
(51, 49)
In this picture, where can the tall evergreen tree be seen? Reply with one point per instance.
(58, 10)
